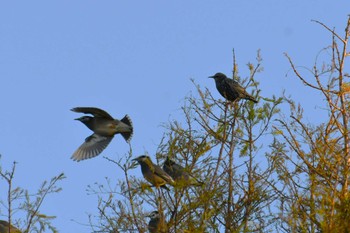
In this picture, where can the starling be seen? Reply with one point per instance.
(179, 173)
(104, 127)
(154, 173)
(155, 225)
(230, 89)
(4, 227)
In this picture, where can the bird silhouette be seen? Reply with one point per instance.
(230, 89)
(104, 127)
(179, 173)
(154, 173)
(156, 224)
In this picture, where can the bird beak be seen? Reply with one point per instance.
(211, 77)
(77, 119)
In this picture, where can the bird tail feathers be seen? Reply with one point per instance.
(251, 98)
(127, 135)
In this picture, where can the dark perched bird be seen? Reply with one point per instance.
(4, 227)
(179, 173)
(230, 89)
(104, 127)
(154, 173)
(156, 224)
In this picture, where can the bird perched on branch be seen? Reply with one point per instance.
(5, 226)
(156, 224)
(230, 89)
(154, 173)
(104, 127)
(179, 173)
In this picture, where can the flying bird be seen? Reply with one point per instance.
(155, 225)
(154, 173)
(104, 127)
(179, 173)
(230, 89)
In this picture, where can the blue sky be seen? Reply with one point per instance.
(134, 57)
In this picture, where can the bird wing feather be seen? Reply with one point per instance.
(92, 147)
(161, 173)
(180, 175)
(235, 86)
(241, 92)
(96, 112)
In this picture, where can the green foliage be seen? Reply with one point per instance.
(259, 169)
(217, 142)
(20, 202)
(263, 170)
(314, 172)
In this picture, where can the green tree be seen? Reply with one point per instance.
(263, 170)
(22, 208)
(312, 160)
(220, 143)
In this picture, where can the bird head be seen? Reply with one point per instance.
(154, 215)
(218, 76)
(142, 158)
(84, 119)
(169, 162)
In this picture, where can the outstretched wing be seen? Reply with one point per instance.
(96, 112)
(92, 147)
